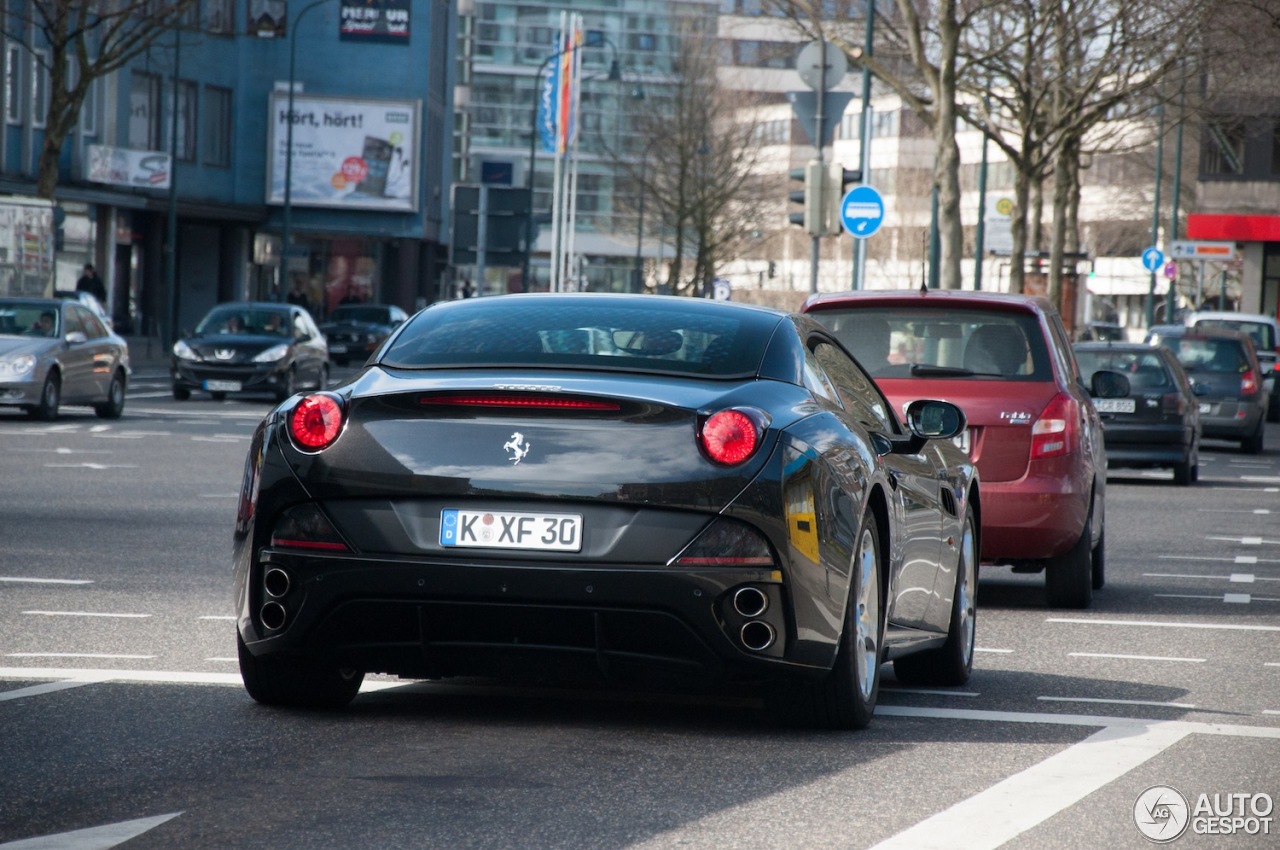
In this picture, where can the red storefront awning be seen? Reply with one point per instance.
(1233, 228)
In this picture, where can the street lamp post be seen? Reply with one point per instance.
(285, 235)
(637, 283)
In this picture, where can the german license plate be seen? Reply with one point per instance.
(1206, 408)
(1116, 405)
(537, 532)
(337, 349)
(222, 386)
(962, 440)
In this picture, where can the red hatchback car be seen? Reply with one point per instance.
(1007, 361)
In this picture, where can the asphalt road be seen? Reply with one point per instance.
(123, 718)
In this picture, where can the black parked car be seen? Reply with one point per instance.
(251, 347)
(355, 331)
(623, 488)
(1157, 425)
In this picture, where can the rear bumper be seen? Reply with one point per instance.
(1148, 445)
(1036, 517)
(1231, 420)
(430, 619)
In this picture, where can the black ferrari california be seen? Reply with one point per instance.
(622, 489)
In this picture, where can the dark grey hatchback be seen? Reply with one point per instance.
(251, 347)
(1157, 425)
(1223, 367)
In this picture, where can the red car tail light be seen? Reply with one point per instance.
(305, 527)
(1175, 403)
(1249, 383)
(316, 421)
(726, 543)
(1056, 432)
(730, 436)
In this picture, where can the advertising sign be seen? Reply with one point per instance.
(125, 167)
(385, 21)
(347, 154)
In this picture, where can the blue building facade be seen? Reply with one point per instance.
(366, 150)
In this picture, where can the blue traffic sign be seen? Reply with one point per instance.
(1152, 259)
(862, 211)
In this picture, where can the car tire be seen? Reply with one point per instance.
(1253, 443)
(296, 682)
(113, 407)
(1273, 409)
(951, 664)
(845, 698)
(50, 398)
(290, 385)
(1183, 473)
(1068, 578)
(1098, 570)
(181, 393)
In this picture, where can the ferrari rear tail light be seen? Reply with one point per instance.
(1056, 431)
(306, 527)
(727, 543)
(1249, 383)
(730, 436)
(316, 421)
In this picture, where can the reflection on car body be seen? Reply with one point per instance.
(250, 347)
(608, 488)
(1033, 431)
(56, 352)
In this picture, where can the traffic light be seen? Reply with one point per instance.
(839, 179)
(812, 219)
(824, 189)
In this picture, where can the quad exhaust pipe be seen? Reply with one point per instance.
(750, 601)
(273, 616)
(276, 582)
(757, 635)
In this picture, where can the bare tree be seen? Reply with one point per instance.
(77, 42)
(700, 164)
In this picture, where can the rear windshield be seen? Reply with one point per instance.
(671, 335)
(1144, 369)
(1198, 354)
(934, 343)
(1263, 333)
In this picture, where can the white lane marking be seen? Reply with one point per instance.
(939, 692)
(216, 617)
(91, 465)
(1234, 598)
(84, 614)
(1243, 541)
(94, 838)
(1271, 664)
(1246, 559)
(164, 677)
(220, 438)
(1133, 657)
(226, 660)
(1022, 801)
(135, 435)
(75, 655)
(1117, 701)
(1156, 624)
(985, 649)
(48, 688)
(23, 579)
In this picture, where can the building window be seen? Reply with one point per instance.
(185, 141)
(89, 110)
(218, 16)
(13, 83)
(39, 88)
(144, 111)
(216, 128)
(1224, 147)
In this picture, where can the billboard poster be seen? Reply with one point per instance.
(347, 153)
(385, 21)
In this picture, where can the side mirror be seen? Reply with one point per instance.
(1108, 384)
(927, 419)
(76, 337)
